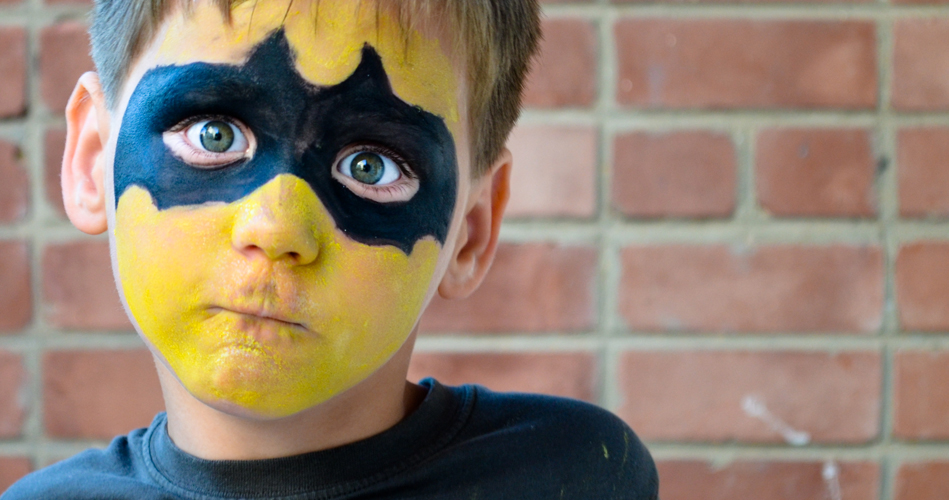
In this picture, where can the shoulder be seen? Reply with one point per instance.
(586, 448)
(113, 472)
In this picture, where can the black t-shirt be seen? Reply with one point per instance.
(461, 443)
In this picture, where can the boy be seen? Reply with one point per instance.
(286, 184)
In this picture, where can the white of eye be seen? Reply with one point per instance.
(390, 172)
(237, 142)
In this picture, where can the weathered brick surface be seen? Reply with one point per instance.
(554, 173)
(922, 157)
(64, 57)
(767, 289)
(16, 299)
(674, 174)
(816, 172)
(98, 394)
(12, 71)
(12, 469)
(766, 480)
(723, 396)
(673, 63)
(54, 144)
(564, 74)
(560, 374)
(531, 288)
(922, 481)
(79, 289)
(919, 71)
(13, 395)
(921, 395)
(922, 286)
(14, 185)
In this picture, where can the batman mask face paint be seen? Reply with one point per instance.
(275, 235)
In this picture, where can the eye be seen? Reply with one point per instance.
(210, 143)
(370, 168)
(372, 173)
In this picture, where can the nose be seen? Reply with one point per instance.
(279, 220)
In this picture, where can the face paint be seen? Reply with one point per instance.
(345, 276)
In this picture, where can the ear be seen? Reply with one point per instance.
(477, 239)
(83, 176)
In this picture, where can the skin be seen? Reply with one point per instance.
(205, 284)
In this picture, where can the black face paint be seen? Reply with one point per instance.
(300, 129)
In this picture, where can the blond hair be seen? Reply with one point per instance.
(498, 37)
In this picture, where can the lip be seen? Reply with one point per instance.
(284, 320)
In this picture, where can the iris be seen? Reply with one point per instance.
(368, 168)
(217, 136)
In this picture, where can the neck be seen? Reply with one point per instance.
(372, 406)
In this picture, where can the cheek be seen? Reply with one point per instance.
(163, 257)
(360, 301)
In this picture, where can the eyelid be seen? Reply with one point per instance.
(401, 190)
(379, 150)
(177, 141)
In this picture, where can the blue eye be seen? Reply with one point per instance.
(370, 168)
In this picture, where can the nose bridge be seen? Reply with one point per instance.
(280, 220)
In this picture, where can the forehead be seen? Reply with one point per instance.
(327, 37)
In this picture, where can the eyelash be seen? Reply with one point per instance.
(177, 141)
(401, 190)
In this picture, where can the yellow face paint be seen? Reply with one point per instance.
(222, 292)
(185, 282)
(328, 37)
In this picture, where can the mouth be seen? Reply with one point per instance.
(265, 318)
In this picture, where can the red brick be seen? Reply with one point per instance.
(564, 74)
(766, 480)
(12, 469)
(674, 174)
(13, 387)
(814, 172)
(922, 481)
(922, 286)
(746, 64)
(921, 395)
(64, 57)
(920, 74)
(79, 289)
(554, 171)
(54, 144)
(16, 296)
(98, 394)
(14, 185)
(705, 396)
(531, 288)
(12, 71)
(762, 289)
(922, 157)
(569, 375)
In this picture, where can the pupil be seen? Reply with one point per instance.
(217, 136)
(367, 168)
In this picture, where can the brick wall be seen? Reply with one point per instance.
(730, 226)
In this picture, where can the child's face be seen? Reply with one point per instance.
(283, 197)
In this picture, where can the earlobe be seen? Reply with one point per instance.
(477, 239)
(83, 174)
